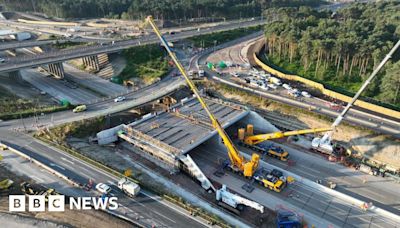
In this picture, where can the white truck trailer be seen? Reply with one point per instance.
(128, 187)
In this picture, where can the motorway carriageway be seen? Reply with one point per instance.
(16, 63)
(107, 106)
(146, 208)
(235, 53)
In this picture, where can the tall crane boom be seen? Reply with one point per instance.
(236, 158)
(256, 139)
(325, 142)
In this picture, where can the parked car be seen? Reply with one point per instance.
(103, 188)
(293, 93)
(287, 86)
(253, 83)
(2, 60)
(272, 86)
(264, 87)
(119, 99)
(234, 74)
(305, 94)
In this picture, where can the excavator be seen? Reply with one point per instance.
(237, 163)
(248, 139)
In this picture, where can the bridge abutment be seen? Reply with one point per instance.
(15, 76)
(57, 70)
(99, 64)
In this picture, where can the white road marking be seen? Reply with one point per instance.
(38, 179)
(55, 165)
(127, 208)
(115, 178)
(64, 159)
(87, 176)
(84, 169)
(164, 217)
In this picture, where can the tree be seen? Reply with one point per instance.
(390, 85)
(339, 49)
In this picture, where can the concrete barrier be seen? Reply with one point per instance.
(48, 22)
(334, 193)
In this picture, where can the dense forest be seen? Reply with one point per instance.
(339, 49)
(138, 9)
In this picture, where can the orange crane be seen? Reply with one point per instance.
(237, 162)
(248, 139)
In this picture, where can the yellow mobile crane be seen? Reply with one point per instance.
(237, 161)
(248, 139)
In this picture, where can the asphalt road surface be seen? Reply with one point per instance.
(17, 63)
(59, 89)
(148, 209)
(319, 208)
(101, 108)
(93, 82)
(377, 122)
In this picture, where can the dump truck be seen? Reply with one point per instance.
(128, 187)
(269, 180)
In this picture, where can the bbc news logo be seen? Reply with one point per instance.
(56, 203)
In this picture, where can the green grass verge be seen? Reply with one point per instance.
(32, 112)
(146, 62)
(67, 44)
(13, 107)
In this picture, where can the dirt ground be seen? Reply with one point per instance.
(377, 147)
(68, 218)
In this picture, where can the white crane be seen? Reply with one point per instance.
(235, 201)
(324, 144)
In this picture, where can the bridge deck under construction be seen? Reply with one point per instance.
(185, 126)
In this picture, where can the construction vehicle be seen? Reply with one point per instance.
(128, 187)
(224, 197)
(237, 163)
(29, 189)
(269, 180)
(324, 144)
(369, 170)
(248, 139)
